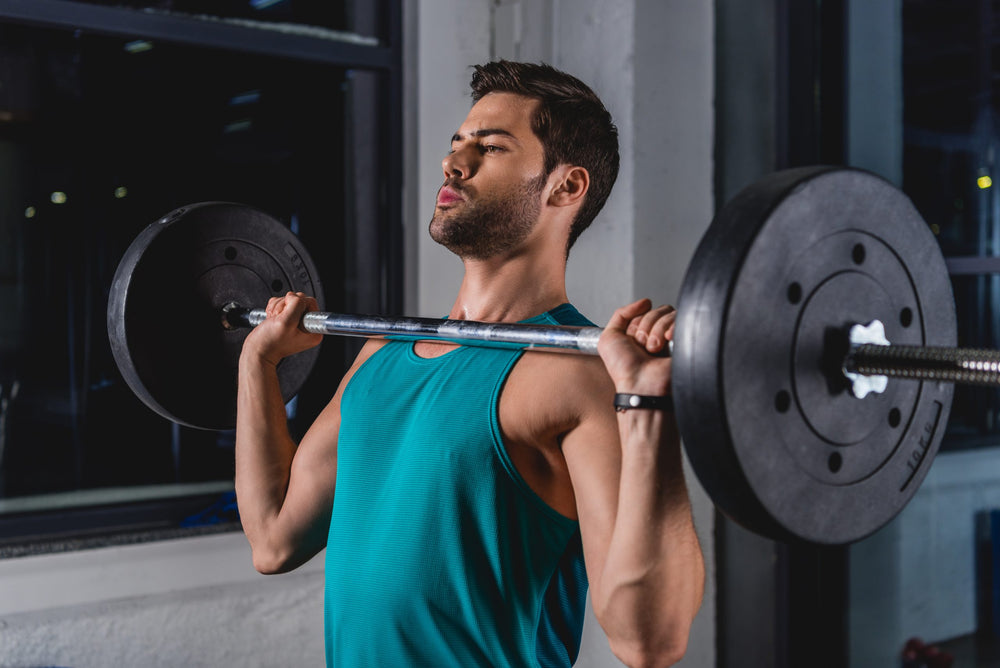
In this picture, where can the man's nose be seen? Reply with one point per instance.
(459, 163)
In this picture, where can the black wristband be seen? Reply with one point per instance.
(624, 402)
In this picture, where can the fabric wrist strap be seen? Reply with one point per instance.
(624, 402)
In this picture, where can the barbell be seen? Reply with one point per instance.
(809, 291)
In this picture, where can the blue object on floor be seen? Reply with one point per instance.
(223, 510)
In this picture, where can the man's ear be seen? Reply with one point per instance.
(571, 186)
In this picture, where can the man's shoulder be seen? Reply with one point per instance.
(563, 381)
(571, 373)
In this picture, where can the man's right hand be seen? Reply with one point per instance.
(281, 335)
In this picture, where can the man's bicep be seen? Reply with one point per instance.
(313, 476)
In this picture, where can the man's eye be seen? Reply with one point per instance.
(492, 148)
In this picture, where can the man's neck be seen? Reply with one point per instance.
(509, 290)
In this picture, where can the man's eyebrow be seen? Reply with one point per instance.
(485, 132)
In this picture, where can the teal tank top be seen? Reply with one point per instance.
(439, 554)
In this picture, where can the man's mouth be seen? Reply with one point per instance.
(448, 195)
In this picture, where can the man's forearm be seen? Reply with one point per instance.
(264, 450)
(653, 578)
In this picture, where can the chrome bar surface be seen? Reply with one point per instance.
(488, 334)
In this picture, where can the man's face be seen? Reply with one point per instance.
(494, 178)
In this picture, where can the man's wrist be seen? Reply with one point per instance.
(649, 386)
(625, 401)
(250, 355)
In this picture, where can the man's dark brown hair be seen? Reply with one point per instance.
(571, 122)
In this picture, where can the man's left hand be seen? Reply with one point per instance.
(635, 347)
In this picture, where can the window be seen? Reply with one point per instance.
(904, 89)
(949, 166)
(112, 114)
(928, 576)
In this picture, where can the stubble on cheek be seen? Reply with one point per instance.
(480, 228)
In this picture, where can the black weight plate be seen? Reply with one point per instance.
(768, 421)
(166, 300)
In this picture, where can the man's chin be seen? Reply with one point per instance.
(465, 251)
(436, 233)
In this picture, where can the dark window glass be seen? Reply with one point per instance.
(950, 172)
(99, 136)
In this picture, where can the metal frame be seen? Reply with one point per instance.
(812, 580)
(784, 605)
(974, 265)
(230, 35)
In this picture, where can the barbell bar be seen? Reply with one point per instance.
(967, 366)
(762, 353)
(582, 340)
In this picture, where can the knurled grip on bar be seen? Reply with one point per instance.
(971, 366)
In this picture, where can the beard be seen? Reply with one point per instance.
(482, 227)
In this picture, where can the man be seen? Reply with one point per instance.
(480, 490)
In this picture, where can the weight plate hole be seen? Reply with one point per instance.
(895, 417)
(230, 253)
(782, 401)
(906, 317)
(858, 253)
(794, 293)
(277, 285)
(835, 462)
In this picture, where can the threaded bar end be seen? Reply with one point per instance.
(969, 366)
